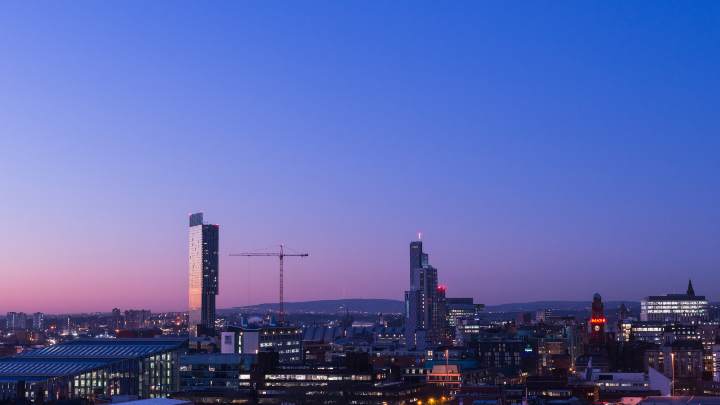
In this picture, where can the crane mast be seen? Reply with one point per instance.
(281, 256)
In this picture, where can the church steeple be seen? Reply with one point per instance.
(690, 290)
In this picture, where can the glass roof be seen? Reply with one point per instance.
(106, 348)
(80, 356)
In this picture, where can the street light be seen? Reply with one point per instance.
(672, 383)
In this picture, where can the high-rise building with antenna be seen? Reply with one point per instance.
(424, 315)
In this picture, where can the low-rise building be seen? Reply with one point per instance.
(682, 362)
(93, 368)
(215, 372)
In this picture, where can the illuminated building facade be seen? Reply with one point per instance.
(658, 332)
(709, 335)
(716, 362)
(461, 308)
(675, 308)
(286, 341)
(215, 371)
(651, 332)
(445, 376)
(93, 368)
(350, 383)
(203, 274)
(681, 361)
(467, 331)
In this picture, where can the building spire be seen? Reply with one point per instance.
(690, 290)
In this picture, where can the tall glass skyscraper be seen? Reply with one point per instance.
(424, 317)
(203, 272)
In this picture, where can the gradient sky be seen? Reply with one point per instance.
(546, 150)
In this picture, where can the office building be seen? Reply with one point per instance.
(709, 335)
(461, 308)
(469, 330)
(682, 361)
(439, 316)
(504, 355)
(240, 340)
(38, 321)
(10, 318)
(92, 369)
(660, 332)
(675, 308)
(203, 272)
(261, 378)
(16, 321)
(616, 385)
(716, 362)
(638, 331)
(215, 372)
(285, 340)
(714, 312)
(116, 319)
(425, 318)
(136, 318)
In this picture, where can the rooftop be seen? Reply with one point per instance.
(157, 401)
(14, 368)
(677, 297)
(681, 400)
(80, 356)
(115, 349)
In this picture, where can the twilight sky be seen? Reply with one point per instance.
(546, 150)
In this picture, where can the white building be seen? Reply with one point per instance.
(675, 308)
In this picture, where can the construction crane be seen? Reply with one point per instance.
(280, 255)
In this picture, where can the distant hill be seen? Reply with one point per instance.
(330, 306)
(395, 306)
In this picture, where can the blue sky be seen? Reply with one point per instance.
(546, 150)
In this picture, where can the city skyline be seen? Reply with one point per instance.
(201, 306)
(534, 146)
